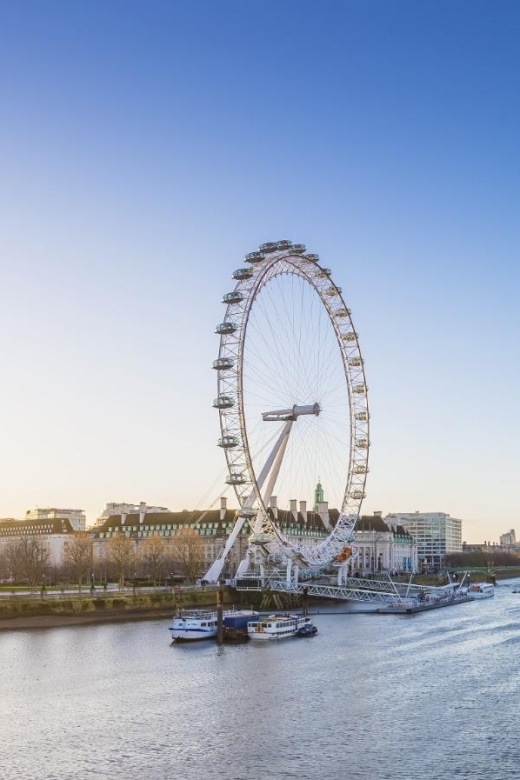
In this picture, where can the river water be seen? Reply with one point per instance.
(433, 695)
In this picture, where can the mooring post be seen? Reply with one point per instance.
(220, 613)
(305, 601)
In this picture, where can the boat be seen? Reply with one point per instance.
(481, 590)
(277, 626)
(194, 625)
(308, 630)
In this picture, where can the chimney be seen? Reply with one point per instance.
(273, 504)
(223, 507)
(303, 511)
(142, 512)
(293, 508)
(323, 511)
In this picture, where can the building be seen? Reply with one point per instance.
(213, 526)
(508, 540)
(76, 517)
(380, 546)
(124, 509)
(377, 546)
(435, 533)
(53, 533)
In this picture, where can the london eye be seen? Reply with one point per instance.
(293, 405)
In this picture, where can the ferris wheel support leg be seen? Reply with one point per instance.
(243, 567)
(215, 570)
(343, 572)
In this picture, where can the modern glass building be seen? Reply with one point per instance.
(436, 534)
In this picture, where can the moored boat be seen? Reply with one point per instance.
(308, 630)
(277, 626)
(194, 625)
(481, 590)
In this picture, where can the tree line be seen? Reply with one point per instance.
(28, 559)
(483, 559)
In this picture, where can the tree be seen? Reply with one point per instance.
(120, 551)
(14, 560)
(188, 552)
(78, 555)
(35, 558)
(153, 554)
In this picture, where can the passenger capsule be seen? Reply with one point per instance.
(254, 257)
(228, 441)
(361, 416)
(236, 478)
(360, 389)
(343, 312)
(223, 363)
(243, 273)
(314, 258)
(270, 246)
(233, 297)
(355, 361)
(362, 444)
(298, 249)
(223, 402)
(360, 469)
(282, 245)
(350, 335)
(225, 328)
(357, 494)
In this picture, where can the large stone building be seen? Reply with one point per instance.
(377, 546)
(53, 533)
(435, 533)
(381, 546)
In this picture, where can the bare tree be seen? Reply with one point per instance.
(78, 555)
(35, 557)
(153, 554)
(14, 559)
(120, 552)
(188, 552)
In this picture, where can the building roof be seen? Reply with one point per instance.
(210, 518)
(57, 525)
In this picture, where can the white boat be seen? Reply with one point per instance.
(196, 624)
(481, 590)
(277, 626)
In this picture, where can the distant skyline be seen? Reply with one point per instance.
(147, 146)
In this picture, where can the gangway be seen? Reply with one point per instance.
(354, 589)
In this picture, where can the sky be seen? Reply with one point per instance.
(145, 147)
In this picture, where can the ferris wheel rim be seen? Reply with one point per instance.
(270, 261)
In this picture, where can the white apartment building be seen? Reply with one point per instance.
(76, 517)
(435, 533)
(124, 509)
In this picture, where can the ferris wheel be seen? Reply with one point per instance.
(292, 400)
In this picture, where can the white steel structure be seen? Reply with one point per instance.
(292, 399)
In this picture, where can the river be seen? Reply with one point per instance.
(371, 697)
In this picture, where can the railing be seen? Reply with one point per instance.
(355, 589)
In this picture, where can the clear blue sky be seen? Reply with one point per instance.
(146, 146)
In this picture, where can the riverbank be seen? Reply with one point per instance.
(22, 613)
(57, 621)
